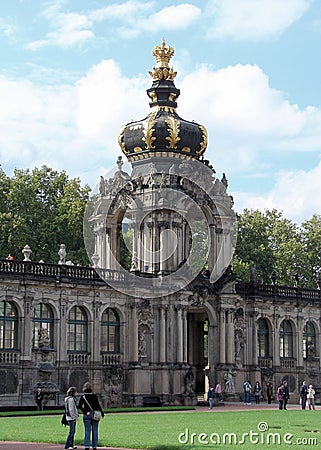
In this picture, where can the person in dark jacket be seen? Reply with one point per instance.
(89, 403)
(210, 395)
(39, 399)
(304, 394)
(268, 390)
(286, 394)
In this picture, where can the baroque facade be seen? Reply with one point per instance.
(164, 326)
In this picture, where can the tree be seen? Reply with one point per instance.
(311, 239)
(273, 244)
(43, 208)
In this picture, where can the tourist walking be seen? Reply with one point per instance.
(71, 416)
(268, 391)
(39, 399)
(280, 396)
(247, 388)
(310, 397)
(257, 392)
(89, 404)
(286, 394)
(218, 391)
(303, 394)
(210, 395)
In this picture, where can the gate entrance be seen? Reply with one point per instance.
(197, 322)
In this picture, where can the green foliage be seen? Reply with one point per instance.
(277, 245)
(199, 251)
(42, 208)
(126, 244)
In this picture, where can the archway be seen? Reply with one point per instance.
(197, 348)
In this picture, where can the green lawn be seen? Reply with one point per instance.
(197, 430)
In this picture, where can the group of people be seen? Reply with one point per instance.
(88, 404)
(283, 395)
(257, 391)
(211, 393)
(307, 395)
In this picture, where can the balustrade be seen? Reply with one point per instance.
(111, 359)
(79, 359)
(265, 363)
(288, 363)
(9, 357)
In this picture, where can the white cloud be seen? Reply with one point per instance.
(244, 116)
(75, 127)
(70, 29)
(106, 99)
(122, 11)
(133, 18)
(295, 193)
(173, 17)
(253, 19)
(7, 27)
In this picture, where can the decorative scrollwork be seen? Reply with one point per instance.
(159, 73)
(148, 131)
(173, 130)
(203, 144)
(121, 139)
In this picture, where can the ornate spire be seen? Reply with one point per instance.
(162, 132)
(163, 54)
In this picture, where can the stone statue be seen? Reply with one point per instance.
(44, 339)
(62, 254)
(142, 350)
(310, 349)
(102, 186)
(134, 263)
(253, 274)
(224, 181)
(189, 381)
(229, 383)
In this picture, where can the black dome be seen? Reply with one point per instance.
(162, 131)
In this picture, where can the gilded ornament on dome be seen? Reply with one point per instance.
(203, 144)
(153, 96)
(171, 97)
(149, 130)
(158, 73)
(163, 54)
(173, 131)
(121, 139)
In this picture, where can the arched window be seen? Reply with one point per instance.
(110, 331)
(43, 322)
(263, 338)
(77, 330)
(309, 340)
(8, 326)
(286, 340)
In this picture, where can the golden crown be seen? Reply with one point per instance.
(163, 53)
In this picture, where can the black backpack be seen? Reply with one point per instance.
(64, 421)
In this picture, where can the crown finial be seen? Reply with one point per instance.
(163, 53)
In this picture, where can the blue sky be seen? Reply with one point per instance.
(73, 71)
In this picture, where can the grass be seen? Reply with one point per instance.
(161, 431)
